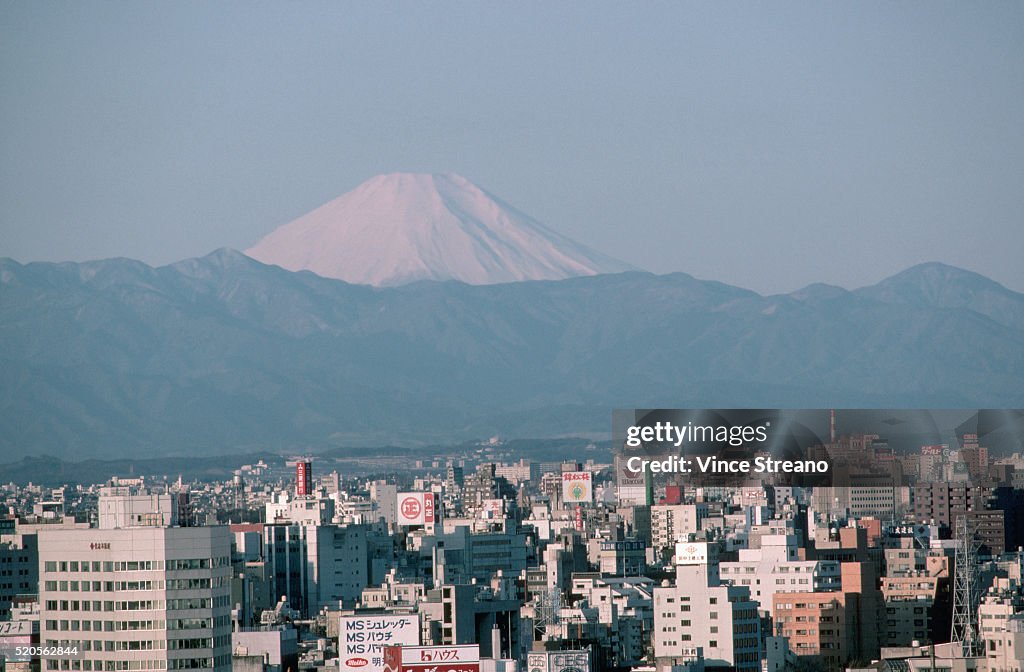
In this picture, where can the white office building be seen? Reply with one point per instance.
(777, 567)
(122, 506)
(672, 522)
(701, 611)
(140, 598)
(299, 511)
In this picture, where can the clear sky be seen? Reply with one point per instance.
(767, 145)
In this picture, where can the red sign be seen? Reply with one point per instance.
(303, 478)
(392, 658)
(442, 667)
(428, 508)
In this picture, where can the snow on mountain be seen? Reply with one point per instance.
(399, 228)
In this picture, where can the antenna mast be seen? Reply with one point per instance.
(965, 592)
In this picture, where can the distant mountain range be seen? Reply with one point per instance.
(403, 227)
(224, 354)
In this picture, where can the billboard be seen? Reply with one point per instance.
(577, 487)
(454, 658)
(416, 508)
(362, 639)
(558, 661)
(691, 553)
(15, 635)
(432, 655)
(491, 509)
(303, 478)
(626, 476)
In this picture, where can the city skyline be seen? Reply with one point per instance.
(492, 560)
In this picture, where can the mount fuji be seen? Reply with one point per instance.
(403, 227)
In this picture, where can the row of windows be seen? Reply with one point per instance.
(182, 603)
(74, 625)
(189, 603)
(783, 569)
(195, 643)
(104, 665)
(102, 586)
(192, 663)
(187, 584)
(199, 623)
(107, 566)
(111, 646)
(118, 665)
(10, 572)
(193, 584)
(824, 606)
(807, 619)
(145, 644)
(199, 563)
(104, 605)
(134, 565)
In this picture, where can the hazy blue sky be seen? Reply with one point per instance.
(765, 145)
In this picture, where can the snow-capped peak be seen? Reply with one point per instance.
(402, 227)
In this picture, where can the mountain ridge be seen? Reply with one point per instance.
(943, 286)
(225, 354)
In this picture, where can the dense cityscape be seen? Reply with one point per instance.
(491, 564)
(511, 337)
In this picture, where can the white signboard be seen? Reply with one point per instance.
(434, 655)
(361, 639)
(15, 628)
(415, 508)
(492, 509)
(16, 635)
(577, 487)
(691, 553)
(558, 661)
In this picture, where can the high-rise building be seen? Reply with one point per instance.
(917, 594)
(314, 566)
(1003, 600)
(777, 567)
(827, 629)
(701, 611)
(19, 570)
(140, 598)
(384, 495)
(985, 509)
(669, 523)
